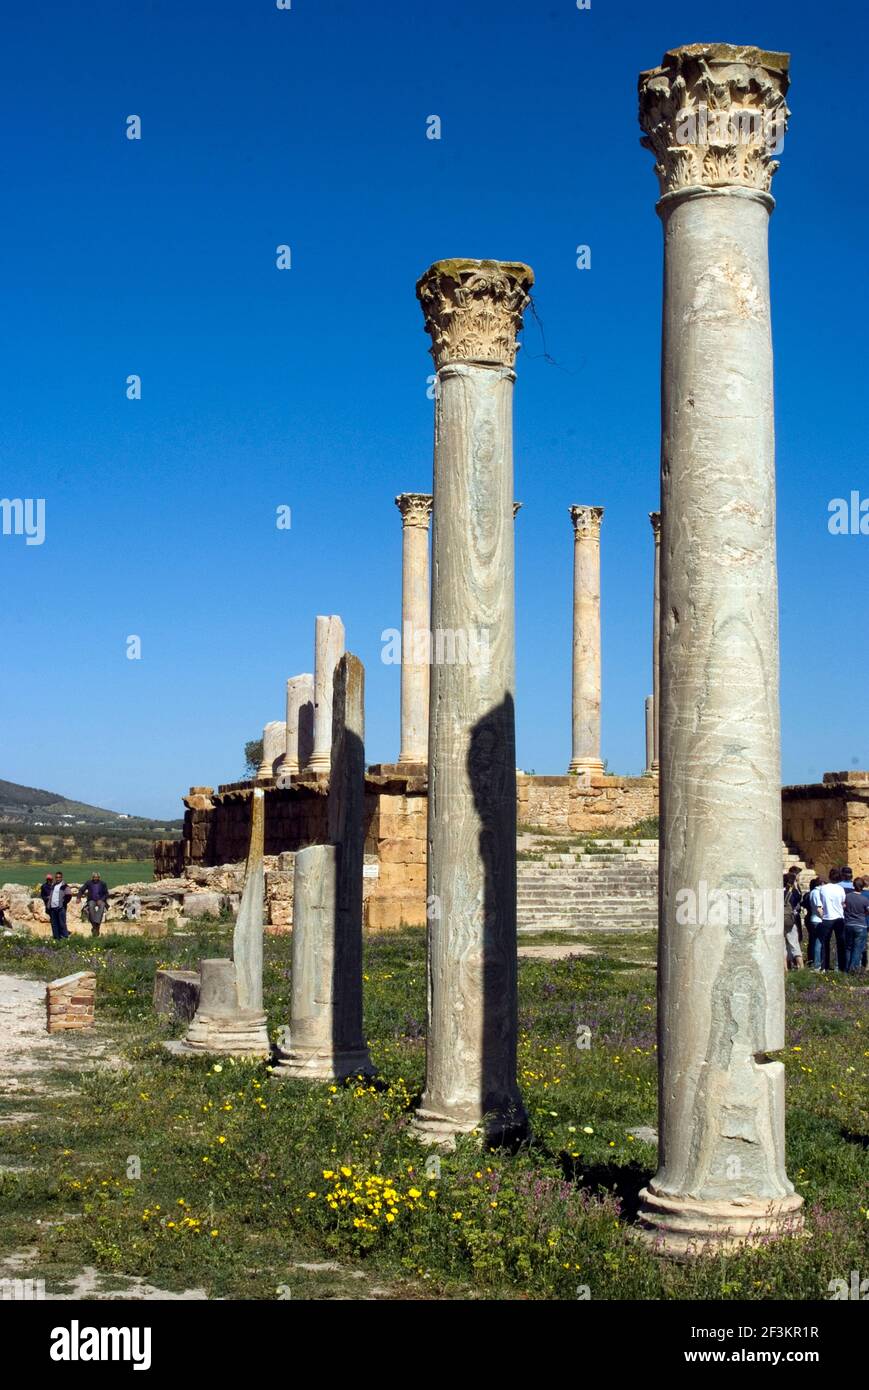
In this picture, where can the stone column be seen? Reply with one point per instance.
(328, 650)
(274, 748)
(300, 726)
(415, 508)
(586, 640)
(325, 1038)
(653, 765)
(230, 1020)
(650, 734)
(721, 1178)
(473, 311)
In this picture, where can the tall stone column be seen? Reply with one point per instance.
(325, 1038)
(473, 311)
(328, 650)
(654, 763)
(721, 1178)
(415, 508)
(300, 726)
(274, 748)
(586, 640)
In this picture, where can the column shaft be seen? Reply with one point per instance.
(721, 1178)
(415, 510)
(472, 308)
(328, 649)
(586, 640)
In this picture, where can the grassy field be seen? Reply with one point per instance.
(113, 871)
(245, 1183)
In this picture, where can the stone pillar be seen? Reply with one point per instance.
(328, 650)
(247, 938)
(229, 1019)
(586, 640)
(325, 1038)
(473, 311)
(650, 734)
(653, 764)
(300, 726)
(415, 508)
(721, 1178)
(274, 748)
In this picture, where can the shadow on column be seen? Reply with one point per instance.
(492, 774)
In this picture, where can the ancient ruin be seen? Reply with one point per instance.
(721, 1177)
(586, 757)
(325, 1038)
(473, 312)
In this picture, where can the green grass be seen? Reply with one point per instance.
(112, 871)
(224, 1149)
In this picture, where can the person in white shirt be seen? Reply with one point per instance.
(832, 897)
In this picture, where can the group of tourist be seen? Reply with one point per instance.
(56, 895)
(831, 909)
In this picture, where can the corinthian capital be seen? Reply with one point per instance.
(473, 309)
(655, 519)
(415, 508)
(586, 522)
(714, 115)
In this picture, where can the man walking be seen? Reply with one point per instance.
(57, 900)
(96, 896)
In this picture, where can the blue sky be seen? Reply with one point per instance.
(307, 387)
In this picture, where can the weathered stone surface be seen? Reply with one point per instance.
(328, 649)
(473, 310)
(176, 993)
(585, 758)
(721, 1178)
(652, 763)
(300, 726)
(415, 508)
(203, 904)
(325, 1036)
(247, 940)
(69, 1002)
(274, 749)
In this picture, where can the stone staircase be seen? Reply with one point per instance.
(602, 885)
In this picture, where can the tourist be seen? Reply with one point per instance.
(96, 896)
(833, 919)
(812, 915)
(45, 889)
(793, 950)
(856, 924)
(796, 899)
(57, 900)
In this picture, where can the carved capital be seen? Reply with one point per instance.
(586, 522)
(415, 508)
(655, 518)
(714, 115)
(473, 309)
(517, 507)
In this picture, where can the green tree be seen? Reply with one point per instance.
(253, 756)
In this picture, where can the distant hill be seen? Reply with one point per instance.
(38, 825)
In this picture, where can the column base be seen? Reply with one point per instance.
(235, 1035)
(321, 763)
(495, 1131)
(311, 1063)
(687, 1228)
(593, 766)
